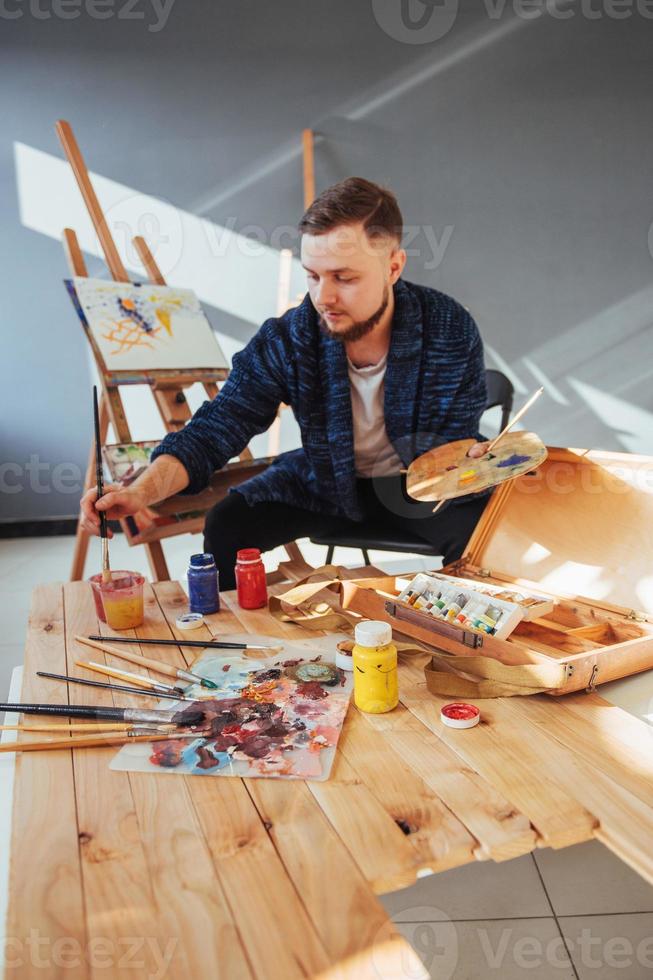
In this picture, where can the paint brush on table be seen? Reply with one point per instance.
(197, 644)
(89, 742)
(89, 727)
(113, 687)
(158, 665)
(106, 568)
(92, 712)
(134, 680)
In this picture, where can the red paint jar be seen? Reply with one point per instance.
(250, 579)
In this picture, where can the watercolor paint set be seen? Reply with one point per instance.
(461, 605)
(492, 609)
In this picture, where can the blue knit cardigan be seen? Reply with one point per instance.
(435, 392)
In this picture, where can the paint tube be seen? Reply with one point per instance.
(434, 605)
(488, 621)
(436, 600)
(454, 607)
(474, 615)
(508, 596)
(426, 600)
(466, 609)
(476, 619)
(413, 590)
(442, 602)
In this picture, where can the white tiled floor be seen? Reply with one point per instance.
(508, 921)
(578, 913)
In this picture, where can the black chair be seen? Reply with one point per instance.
(499, 392)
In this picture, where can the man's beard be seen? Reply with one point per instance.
(357, 330)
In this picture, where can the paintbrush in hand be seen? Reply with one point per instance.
(106, 569)
(520, 414)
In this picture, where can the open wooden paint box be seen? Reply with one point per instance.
(578, 531)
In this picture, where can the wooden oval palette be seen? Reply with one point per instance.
(447, 471)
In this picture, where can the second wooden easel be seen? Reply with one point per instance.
(284, 301)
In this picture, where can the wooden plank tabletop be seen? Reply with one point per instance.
(264, 878)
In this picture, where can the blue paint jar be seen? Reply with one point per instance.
(203, 591)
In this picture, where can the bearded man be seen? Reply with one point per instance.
(377, 370)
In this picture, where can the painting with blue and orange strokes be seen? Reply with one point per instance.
(280, 717)
(146, 327)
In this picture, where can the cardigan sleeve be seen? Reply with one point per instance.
(470, 398)
(245, 406)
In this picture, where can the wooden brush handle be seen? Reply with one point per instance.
(143, 682)
(133, 658)
(79, 743)
(522, 411)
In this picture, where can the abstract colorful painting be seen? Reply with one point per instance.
(146, 327)
(127, 460)
(280, 717)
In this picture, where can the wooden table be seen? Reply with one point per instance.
(227, 878)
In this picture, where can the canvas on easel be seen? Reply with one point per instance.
(146, 327)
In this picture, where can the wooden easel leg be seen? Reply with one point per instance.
(82, 537)
(79, 554)
(157, 561)
(294, 551)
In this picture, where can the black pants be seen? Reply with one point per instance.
(233, 524)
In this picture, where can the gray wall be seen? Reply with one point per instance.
(523, 148)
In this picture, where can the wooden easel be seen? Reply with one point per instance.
(308, 144)
(284, 301)
(167, 386)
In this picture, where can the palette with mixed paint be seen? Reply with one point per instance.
(447, 472)
(280, 717)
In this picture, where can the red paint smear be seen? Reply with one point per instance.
(311, 690)
(460, 711)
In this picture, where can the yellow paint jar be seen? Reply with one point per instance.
(122, 599)
(375, 668)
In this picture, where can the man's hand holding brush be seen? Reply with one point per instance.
(164, 478)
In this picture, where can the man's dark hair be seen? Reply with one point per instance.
(351, 201)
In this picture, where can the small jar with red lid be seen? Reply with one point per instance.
(250, 579)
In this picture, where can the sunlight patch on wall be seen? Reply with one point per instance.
(632, 425)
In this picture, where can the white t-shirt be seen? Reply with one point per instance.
(373, 452)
